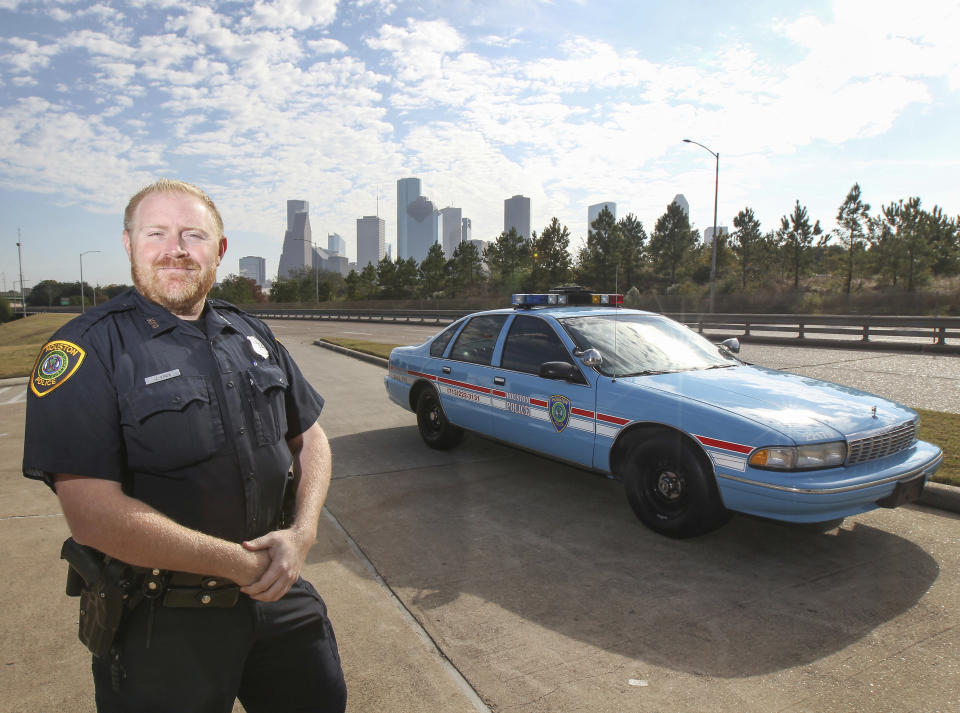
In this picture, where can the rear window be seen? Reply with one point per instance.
(441, 341)
(477, 340)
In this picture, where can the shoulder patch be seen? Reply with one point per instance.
(57, 362)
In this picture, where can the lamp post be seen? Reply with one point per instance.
(23, 302)
(83, 305)
(316, 272)
(716, 184)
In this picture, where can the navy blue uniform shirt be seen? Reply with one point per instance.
(194, 424)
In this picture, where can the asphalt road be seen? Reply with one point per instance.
(484, 578)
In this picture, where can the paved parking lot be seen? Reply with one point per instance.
(484, 578)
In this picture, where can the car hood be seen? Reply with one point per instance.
(801, 408)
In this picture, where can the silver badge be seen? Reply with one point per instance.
(258, 348)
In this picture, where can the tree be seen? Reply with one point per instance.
(465, 269)
(672, 242)
(796, 238)
(509, 259)
(285, 290)
(5, 312)
(943, 235)
(368, 281)
(597, 264)
(851, 218)
(631, 258)
(433, 271)
(905, 220)
(550, 257)
(238, 290)
(748, 244)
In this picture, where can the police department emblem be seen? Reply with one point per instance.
(559, 412)
(57, 362)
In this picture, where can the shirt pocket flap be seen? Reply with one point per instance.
(264, 377)
(171, 395)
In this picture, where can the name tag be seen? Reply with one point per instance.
(161, 377)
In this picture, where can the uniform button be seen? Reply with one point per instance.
(156, 573)
(152, 586)
(242, 431)
(229, 384)
(206, 599)
(211, 583)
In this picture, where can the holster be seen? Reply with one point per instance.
(107, 590)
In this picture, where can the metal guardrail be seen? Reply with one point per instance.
(933, 334)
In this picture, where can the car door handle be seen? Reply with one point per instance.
(499, 380)
(446, 370)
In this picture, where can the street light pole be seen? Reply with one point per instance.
(23, 302)
(83, 305)
(716, 185)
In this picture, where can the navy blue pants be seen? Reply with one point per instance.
(276, 657)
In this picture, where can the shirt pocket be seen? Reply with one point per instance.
(268, 389)
(171, 425)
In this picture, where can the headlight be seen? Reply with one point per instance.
(821, 455)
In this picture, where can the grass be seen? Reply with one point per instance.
(20, 341)
(374, 348)
(944, 430)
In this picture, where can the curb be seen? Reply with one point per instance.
(379, 361)
(941, 496)
(935, 495)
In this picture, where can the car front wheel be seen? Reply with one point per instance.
(669, 489)
(435, 430)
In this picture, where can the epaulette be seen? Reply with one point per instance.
(82, 324)
(223, 304)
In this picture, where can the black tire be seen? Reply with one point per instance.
(435, 430)
(669, 489)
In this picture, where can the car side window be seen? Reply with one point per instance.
(477, 340)
(530, 343)
(439, 344)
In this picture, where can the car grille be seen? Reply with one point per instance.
(882, 444)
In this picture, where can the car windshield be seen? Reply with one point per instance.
(637, 344)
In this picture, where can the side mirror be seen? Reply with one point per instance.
(732, 345)
(560, 370)
(591, 357)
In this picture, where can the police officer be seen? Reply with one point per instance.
(167, 424)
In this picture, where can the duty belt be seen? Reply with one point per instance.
(183, 589)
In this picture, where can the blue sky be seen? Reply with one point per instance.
(568, 102)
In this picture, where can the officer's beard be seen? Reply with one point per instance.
(182, 294)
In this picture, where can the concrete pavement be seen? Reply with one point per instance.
(488, 578)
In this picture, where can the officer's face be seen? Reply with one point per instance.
(174, 248)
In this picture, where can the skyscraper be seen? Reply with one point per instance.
(708, 233)
(466, 233)
(516, 214)
(681, 201)
(594, 210)
(371, 239)
(336, 244)
(452, 230)
(254, 268)
(424, 227)
(297, 240)
(408, 190)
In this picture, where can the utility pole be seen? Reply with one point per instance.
(23, 302)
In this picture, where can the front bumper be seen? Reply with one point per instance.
(817, 496)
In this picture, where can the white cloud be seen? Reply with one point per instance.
(327, 45)
(419, 50)
(298, 14)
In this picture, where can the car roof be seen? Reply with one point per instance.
(558, 312)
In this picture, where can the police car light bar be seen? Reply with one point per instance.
(553, 298)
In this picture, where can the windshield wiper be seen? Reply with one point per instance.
(722, 366)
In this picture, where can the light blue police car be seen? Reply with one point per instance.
(693, 432)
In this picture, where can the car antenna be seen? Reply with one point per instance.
(616, 315)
